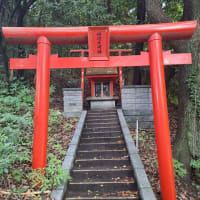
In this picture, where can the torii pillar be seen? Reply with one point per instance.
(160, 110)
(41, 103)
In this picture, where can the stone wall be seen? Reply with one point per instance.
(73, 105)
(137, 105)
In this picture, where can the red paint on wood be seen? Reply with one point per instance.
(114, 61)
(82, 83)
(82, 71)
(99, 42)
(120, 80)
(41, 104)
(161, 120)
(118, 34)
(111, 88)
(92, 88)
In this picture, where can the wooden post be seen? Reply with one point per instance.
(41, 104)
(161, 120)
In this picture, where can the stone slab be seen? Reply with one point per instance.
(137, 100)
(141, 124)
(147, 194)
(136, 112)
(71, 114)
(73, 104)
(137, 105)
(137, 96)
(102, 104)
(75, 94)
(68, 108)
(141, 118)
(72, 98)
(136, 86)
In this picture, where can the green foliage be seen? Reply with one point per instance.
(179, 169)
(75, 120)
(140, 138)
(53, 176)
(51, 91)
(16, 129)
(172, 91)
(17, 175)
(79, 13)
(59, 149)
(54, 117)
(16, 124)
(68, 127)
(195, 164)
(194, 90)
(174, 9)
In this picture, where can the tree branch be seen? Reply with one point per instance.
(28, 4)
(14, 11)
(1, 3)
(155, 12)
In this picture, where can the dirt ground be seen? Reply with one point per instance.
(148, 154)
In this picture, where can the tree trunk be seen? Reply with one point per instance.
(130, 76)
(141, 12)
(109, 9)
(4, 56)
(188, 137)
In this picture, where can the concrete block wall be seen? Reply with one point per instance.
(137, 105)
(73, 105)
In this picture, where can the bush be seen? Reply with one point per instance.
(16, 124)
(179, 170)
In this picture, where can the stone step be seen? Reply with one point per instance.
(102, 129)
(101, 134)
(102, 125)
(101, 146)
(104, 120)
(102, 169)
(101, 174)
(93, 164)
(102, 111)
(101, 187)
(118, 139)
(102, 198)
(100, 115)
(106, 154)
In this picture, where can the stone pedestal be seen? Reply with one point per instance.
(102, 102)
(73, 105)
(137, 105)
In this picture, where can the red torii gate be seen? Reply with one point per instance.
(98, 39)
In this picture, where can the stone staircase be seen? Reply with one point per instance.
(102, 169)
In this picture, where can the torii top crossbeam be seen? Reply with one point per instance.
(118, 34)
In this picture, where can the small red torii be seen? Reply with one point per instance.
(99, 39)
(119, 53)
